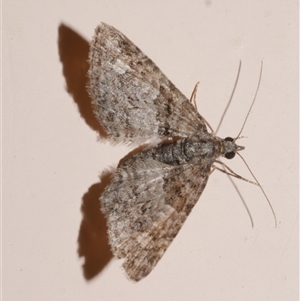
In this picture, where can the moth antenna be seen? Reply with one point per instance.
(238, 136)
(258, 184)
(231, 97)
(253, 101)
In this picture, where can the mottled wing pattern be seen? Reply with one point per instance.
(146, 205)
(132, 98)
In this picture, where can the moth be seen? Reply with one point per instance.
(152, 192)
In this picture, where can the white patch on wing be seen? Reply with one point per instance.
(120, 67)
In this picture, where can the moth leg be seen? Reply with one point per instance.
(194, 94)
(213, 168)
(236, 189)
(230, 172)
(193, 99)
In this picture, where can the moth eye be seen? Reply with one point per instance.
(230, 155)
(228, 139)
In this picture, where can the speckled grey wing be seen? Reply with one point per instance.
(132, 98)
(146, 205)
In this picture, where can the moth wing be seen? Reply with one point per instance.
(146, 205)
(132, 98)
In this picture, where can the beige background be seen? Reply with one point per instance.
(54, 238)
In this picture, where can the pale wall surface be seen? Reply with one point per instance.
(54, 237)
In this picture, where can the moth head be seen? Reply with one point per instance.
(231, 148)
